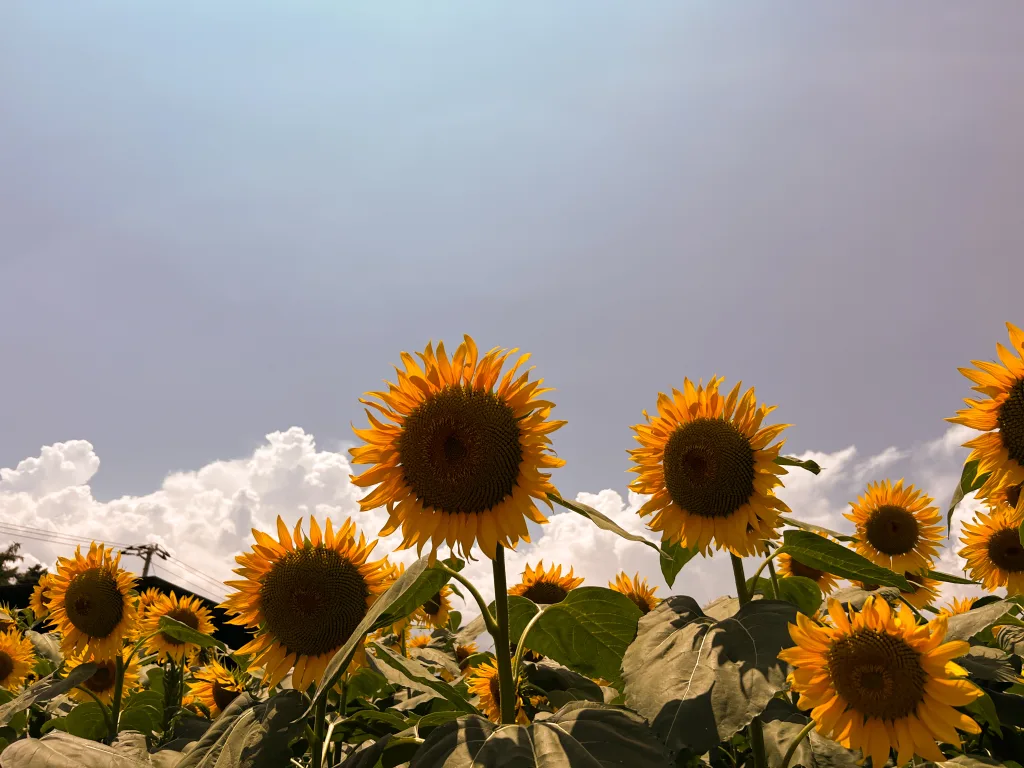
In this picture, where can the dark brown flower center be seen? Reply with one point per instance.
(6, 667)
(433, 606)
(1011, 422)
(1013, 494)
(186, 617)
(799, 569)
(460, 451)
(545, 593)
(223, 696)
(495, 691)
(313, 599)
(709, 468)
(94, 603)
(892, 530)
(877, 674)
(103, 678)
(1005, 550)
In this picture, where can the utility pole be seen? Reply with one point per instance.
(146, 552)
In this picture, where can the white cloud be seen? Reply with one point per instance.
(204, 517)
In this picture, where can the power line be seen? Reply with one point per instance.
(170, 573)
(52, 537)
(213, 580)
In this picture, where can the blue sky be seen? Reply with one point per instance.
(219, 220)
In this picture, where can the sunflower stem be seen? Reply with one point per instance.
(319, 722)
(502, 655)
(774, 578)
(760, 568)
(115, 707)
(489, 623)
(521, 645)
(796, 742)
(755, 731)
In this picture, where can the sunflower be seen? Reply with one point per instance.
(215, 687)
(957, 606)
(483, 681)
(419, 641)
(10, 622)
(40, 595)
(434, 612)
(463, 652)
(637, 590)
(189, 611)
(91, 602)
(993, 551)
(304, 597)
(1006, 497)
(147, 598)
(461, 461)
(545, 587)
(1000, 415)
(897, 528)
(875, 680)
(709, 469)
(789, 567)
(101, 682)
(16, 659)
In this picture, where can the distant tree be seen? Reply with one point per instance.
(9, 572)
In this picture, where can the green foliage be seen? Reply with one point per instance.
(87, 721)
(970, 481)
(964, 626)
(580, 734)
(143, 712)
(588, 631)
(818, 552)
(412, 674)
(697, 680)
(186, 634)
(792, 461)
(783, 723)
(44, 690)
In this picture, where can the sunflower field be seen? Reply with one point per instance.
(834, 651)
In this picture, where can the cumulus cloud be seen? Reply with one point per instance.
(203, 518)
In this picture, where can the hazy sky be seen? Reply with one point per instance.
(218, 220)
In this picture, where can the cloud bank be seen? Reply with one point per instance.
(203, 518)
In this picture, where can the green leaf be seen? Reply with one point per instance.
(802, 592)
(602, 521)
(420, 590)
(991, 664)
(792, 461)
(153, 678)
(143, 712)
(184, 633)
(855, 597)
(949, 578)
(588, 631)
(58, 749)
(250, 734)
(47, 646)
(818, 552)
(386, 609)
(44, 690)
(553, 678)
(368, 684)
(412, 674)
(970, 481)
(584, 734)
(983, 710)
(86, 721)
(782, 723)
(520, 611)
(454, 617)
(699, 681)
(674, 557)
(428, 723)
(385, 752)
(471, 631)
(964, 626)
(816, 529)
(392, 722)
(971, 761)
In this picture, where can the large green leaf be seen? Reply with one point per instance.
(802, 592)
(588, 631)
(415, 675)
(699, 681)
(816, 529)
(855, 597)
(386, 609)
(674, 557)
(991, 664)
(818, 552)
(58, 749)
(970, 481)
(582, 733)
(949, 578)
(792, 461)
(964, 626)
(143, 712)
(553, 678)
(186, 634)
(87, 721)
(44, 690)
(249, 734)
(471, 631)
(520, 611)
(783, 723)
(971, 761)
